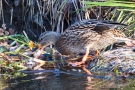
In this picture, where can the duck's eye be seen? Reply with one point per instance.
(42, 35)
(40, 39)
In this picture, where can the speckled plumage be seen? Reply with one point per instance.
(87, 34)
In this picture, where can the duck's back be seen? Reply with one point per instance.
(77, 37)
(82, 35)
(76, 41)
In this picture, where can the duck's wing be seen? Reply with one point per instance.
(76, 41)
(107, 25)
(96, 25)
(77, 38)
(82, 35)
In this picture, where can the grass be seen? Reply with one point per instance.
(58, 12)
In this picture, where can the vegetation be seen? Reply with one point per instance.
(31, 17)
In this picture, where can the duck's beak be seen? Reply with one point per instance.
(39, 46)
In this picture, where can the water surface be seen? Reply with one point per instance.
(64, 82)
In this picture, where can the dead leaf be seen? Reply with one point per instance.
(31, 45)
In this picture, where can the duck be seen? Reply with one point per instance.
(83, 37)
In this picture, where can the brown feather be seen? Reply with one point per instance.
(82, 35)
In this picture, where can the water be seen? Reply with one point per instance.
(64, 82)
(47, 82)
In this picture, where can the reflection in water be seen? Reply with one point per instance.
(50, 82)
(64, 82)
(88, 72)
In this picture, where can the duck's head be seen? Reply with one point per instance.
(48, 38)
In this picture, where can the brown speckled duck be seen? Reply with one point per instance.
(83, 37)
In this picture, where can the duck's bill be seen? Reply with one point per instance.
(39, 46)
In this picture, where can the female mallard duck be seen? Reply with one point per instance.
(83, 37)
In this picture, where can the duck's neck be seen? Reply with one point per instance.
(54, 38)
(50, 38)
